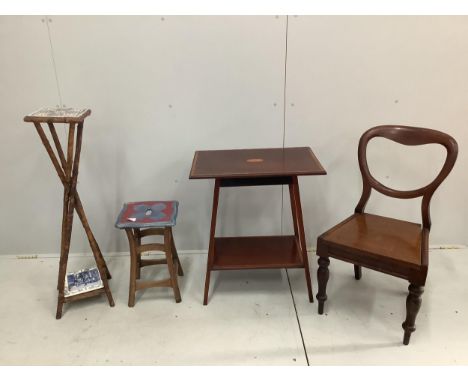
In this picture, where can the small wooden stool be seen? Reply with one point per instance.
(152, 218)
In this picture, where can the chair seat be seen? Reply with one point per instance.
(377, 237)
(148, 214)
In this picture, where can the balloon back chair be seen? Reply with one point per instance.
(395, 247)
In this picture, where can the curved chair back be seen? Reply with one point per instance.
(409, 136)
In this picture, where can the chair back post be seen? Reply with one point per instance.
(409, 136)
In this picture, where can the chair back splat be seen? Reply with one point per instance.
(409, 136)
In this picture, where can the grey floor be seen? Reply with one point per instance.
(253, 317)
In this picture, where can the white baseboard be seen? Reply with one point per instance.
(28, 256)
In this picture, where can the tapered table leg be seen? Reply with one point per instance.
(299, 231)
(211, 248)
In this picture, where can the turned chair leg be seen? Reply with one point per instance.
(413, 303)
(322, 277)
(357, 272)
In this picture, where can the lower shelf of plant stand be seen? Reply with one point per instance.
(81, 296)
(256, 252)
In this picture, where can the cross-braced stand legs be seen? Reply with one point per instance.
(67, 171)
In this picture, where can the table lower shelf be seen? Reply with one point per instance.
(256, 252)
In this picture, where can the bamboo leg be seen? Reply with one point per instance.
(92, 241)
(65, 209)
(64, 232)
(211, 248)
(63, 256)
(170, 263)
(100, 262)
(52, 156)
(68, 174)
(67, 224)
(78, 206)
(296, 207)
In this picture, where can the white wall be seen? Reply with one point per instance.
(346, 74)
(160, 89)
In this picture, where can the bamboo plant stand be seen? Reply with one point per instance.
(67, 170)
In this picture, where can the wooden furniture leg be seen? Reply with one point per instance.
(134, 236)
(322, 277)
(299, 231)
(64, 232)
(211, 248)
(133, 267)
(92, 241)
(100, 262)
(357, 272)
(170, 263)
(293, 211)
(78, 206)
(180, 271)
(138, 255)
(71, 174)
(413, 303)
(63, 254)
(67, 171)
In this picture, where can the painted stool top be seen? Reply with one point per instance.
(148, 214)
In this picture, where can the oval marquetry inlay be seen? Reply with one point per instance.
(254, 160)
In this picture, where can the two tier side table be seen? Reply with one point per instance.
(257, 167)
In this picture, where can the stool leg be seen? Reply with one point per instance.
(138, 257)
(180, 271)
(170, 263)
(133, 267)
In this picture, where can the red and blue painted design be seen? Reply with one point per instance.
(148, 214)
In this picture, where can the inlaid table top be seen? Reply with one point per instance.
(58, 115)
(254, 163)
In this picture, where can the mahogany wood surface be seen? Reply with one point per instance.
(380, 237)
(257, 167)
(255, 163)
(256, 252)
(387, 245)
